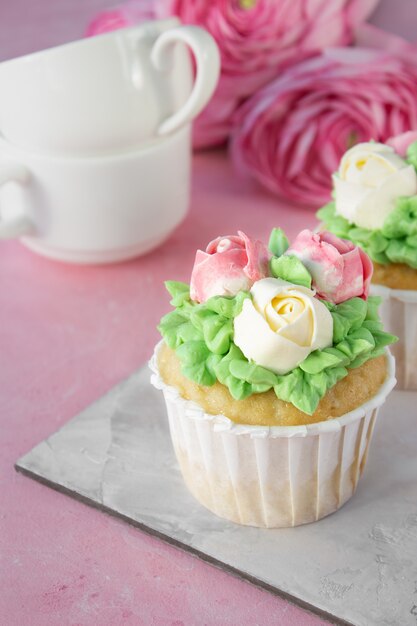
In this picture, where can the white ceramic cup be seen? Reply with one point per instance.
(95, 210)
(108, 93)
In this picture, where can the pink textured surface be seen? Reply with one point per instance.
(67, 335)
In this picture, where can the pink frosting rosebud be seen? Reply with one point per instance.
(400, 143)
(339, 269)
(230, 264)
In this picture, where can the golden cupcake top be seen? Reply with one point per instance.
(293, 320)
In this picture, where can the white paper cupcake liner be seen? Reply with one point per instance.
(270, 476)
(398, 313)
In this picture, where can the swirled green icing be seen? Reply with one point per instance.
(412, 154)
(278, 242)
(202, 337)
(290, 268)
(395, 242)
(287, 267)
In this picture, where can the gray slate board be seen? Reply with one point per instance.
(357, 566)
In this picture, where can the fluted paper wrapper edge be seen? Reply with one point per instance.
(270, 476)
(398, 313)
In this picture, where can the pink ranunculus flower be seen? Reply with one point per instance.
(257, 40)
(105, 22)
(230, 264)
(339, 269)
(292, 134)
(400, 143)
(121, 16)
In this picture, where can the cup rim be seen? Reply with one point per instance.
(90, 41)
(224, 424)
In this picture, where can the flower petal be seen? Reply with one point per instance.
(273, 351)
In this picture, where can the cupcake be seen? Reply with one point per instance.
(375, 207)
(273, 365)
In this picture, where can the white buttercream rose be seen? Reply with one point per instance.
(371, 177)
(281, 324)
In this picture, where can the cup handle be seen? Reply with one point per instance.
(207, 58)
(10, 228)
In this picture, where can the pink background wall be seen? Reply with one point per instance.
(28, 25)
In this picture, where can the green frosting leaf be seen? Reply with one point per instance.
(218, 333)
(354, 310)
(278, 242)
(252, 373)
(176, 328)
(193, 356)
(291, 269)
(307, 389)
(412, 154)
(180, 292)
(402, 221)
(238, 387)
(228, 307)
(396, 242)
(341, 327)
(202, 336)
(333, 222)
(373, 303)
(319, 360)
(199, 316)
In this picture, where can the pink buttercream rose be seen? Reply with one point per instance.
(339, 269)
(400, 143)
(292, 134)
(230, 264)
(257, 40)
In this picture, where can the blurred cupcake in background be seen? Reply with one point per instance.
(375, 207)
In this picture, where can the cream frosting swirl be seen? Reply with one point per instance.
(281, 324)
(371, 177)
